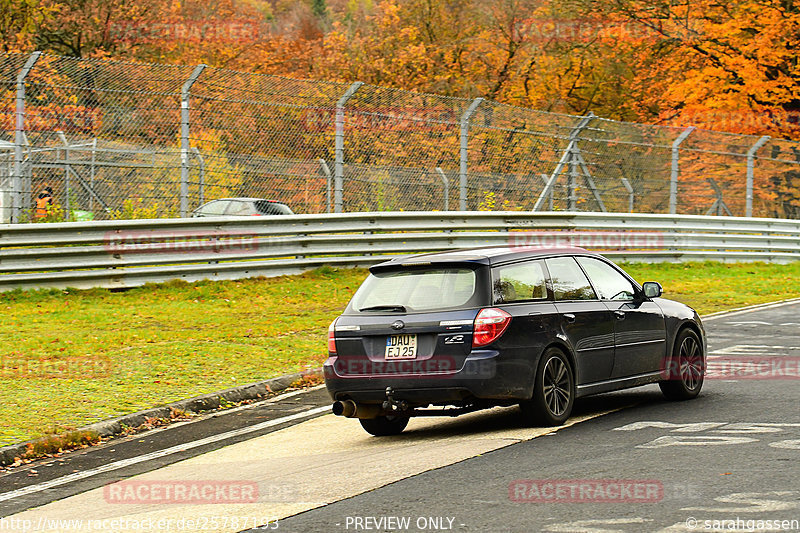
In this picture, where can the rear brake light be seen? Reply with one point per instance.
(489, 326)
(332, 338)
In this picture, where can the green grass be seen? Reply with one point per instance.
(162, 343)
(710, 287)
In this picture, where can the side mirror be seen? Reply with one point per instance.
(652, 289)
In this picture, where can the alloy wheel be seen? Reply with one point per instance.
(556, 386)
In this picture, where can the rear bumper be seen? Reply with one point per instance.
(482, 377)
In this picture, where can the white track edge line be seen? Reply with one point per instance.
(77, 476)
(749, 309)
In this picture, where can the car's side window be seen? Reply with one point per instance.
(569, 281)
(610, 284)
(524, 281)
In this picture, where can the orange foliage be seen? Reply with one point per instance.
(725, 66)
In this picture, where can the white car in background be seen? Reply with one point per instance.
(242, 207)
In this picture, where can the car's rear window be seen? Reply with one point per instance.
(273, 208)
(239, 208)
(415, 290)
(217, 207)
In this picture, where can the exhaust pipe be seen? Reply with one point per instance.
(350, 409)
(346, 408)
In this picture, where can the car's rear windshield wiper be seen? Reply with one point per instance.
(394, 308)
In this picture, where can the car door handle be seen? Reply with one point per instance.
(620, 315)
(570, 317)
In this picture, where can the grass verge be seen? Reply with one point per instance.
(70, 358)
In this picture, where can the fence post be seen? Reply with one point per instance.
(574, 162)
(338, 167)
(187, 85)
(92, 173)
(27, 181)
(571, 157)
(201, 192)
(327, 171)
(546, 180)
(67, 168)
(751, 156)
(446, 184)
(572, 180)
(19, 138)
(673, 180)
(718, 207)
(628, 188)
(464, 154)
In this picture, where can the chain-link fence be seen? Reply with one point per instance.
(116, 139)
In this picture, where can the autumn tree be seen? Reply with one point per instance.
(91, 28)
(18, 22)
(728, 57)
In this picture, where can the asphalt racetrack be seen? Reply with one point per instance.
(627, 461)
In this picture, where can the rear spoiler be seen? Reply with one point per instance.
(417, 264)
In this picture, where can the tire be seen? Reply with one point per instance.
(384, 426)
(687, 368)
(553, 391)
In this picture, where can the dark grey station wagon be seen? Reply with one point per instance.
(453, 332)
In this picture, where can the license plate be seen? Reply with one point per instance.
(401, 347)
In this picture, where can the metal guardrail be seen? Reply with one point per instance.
(118, 254)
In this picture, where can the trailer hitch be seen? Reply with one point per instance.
(390, 405)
